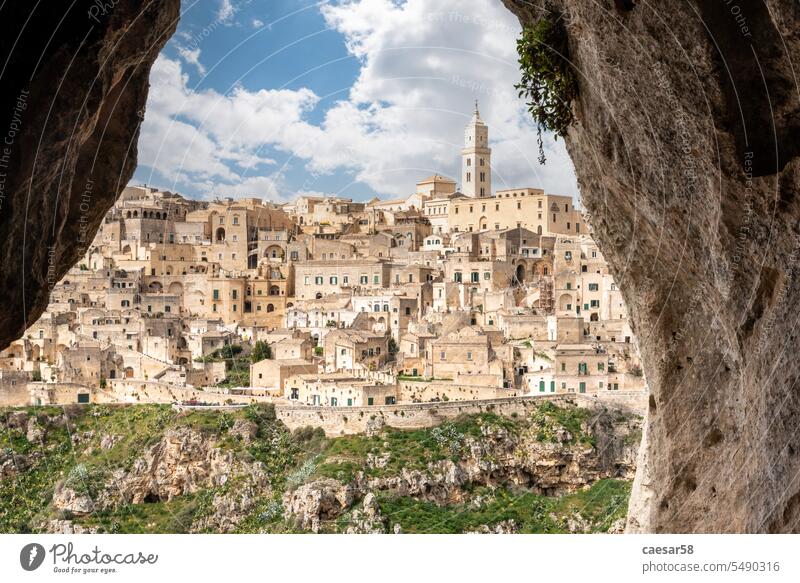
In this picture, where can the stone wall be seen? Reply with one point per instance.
(422, 391)
(337, 421)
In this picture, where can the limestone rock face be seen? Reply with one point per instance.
(181, 463)
(67, 499)
(74, 90)
(686, 152)
(321, 500)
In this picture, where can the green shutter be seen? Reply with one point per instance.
(541, 386)
(582, 388)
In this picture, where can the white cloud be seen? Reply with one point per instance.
(226, 11)
(422, 66)
(192, 57)
(211, 142)
(256, 23)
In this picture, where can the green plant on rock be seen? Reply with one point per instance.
(548, 82)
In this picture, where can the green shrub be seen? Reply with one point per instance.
(261, 351)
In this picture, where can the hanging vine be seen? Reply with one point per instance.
(548, 81)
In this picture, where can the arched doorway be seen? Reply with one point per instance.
(220, 235)
(519, 274)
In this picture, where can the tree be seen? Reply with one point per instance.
(261, 351)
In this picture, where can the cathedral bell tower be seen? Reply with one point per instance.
(476, 158)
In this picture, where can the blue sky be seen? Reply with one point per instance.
(360, 98)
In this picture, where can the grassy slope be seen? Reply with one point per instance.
(290, 459)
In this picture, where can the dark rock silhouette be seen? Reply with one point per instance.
(74, 83)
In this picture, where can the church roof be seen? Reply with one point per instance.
(437, 178)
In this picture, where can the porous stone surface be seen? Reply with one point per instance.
(686, 152)
(74, 86)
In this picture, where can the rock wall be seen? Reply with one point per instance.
(336, 421)
(686, 152)
(74, 86)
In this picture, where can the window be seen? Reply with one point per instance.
(469, 177)
(469, 355)
(306, 280)
(334, 280)
(457, 277)
(408, 311)
(370, 401)
(469, 161)
(234, 294)
(569, 285)
(563, 366)
(593, 287)
(475, 277)
(334, 401)
(600, 366)
(442, 355)
(294, 256)
(376, 279)
(595, 303)
(345, 279)
(364, 279)
(482, 164)
(318, 280)
(519, 205)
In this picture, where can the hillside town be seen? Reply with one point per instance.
(448, 294)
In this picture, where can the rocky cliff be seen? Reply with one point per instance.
(560, 469)
(686, 151)
(74, 87)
